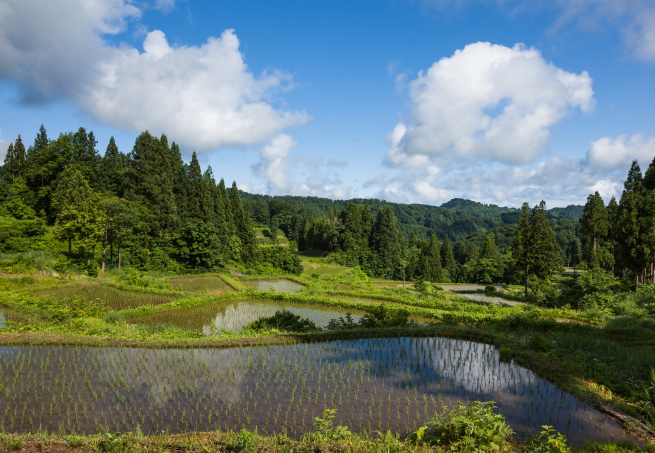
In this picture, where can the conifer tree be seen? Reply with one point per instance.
(111, 171)
(535, 248)
(196, 203)
(85, 156)
(150, 183)
(180, 180)
(385, 242)
(489, 250)
(34, 160)
(448, 259)
(244, 227)
(594, 226)
(630, 228)
(430, 261)
(14, 164)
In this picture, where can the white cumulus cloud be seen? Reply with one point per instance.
(204, 96)
(618, 152)
(273, 164)
(285, 174)
(488, 101)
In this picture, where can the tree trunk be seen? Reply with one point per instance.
(526, 281)
(119, 256)
(104, 249)
(69, 246)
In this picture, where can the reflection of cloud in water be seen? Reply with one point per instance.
(158, 375)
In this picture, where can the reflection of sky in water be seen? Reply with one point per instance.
(237, 316)
(375, 384)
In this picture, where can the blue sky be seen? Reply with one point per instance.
(499, 101)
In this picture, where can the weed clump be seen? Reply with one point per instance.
(468, 427)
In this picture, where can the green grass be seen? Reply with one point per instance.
(116, 299)
(204, 284)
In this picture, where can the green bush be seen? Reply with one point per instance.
(470, 427)
(283, 320)
(540, 343)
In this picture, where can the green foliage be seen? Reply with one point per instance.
(472, 427)
(285, 321)
(539, 343)
(376, 317)
(324, 431)
(134, 278)
(548, 441)
(505, 354)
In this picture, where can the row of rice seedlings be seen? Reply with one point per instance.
(116, 299)
(235, 315)
(204, 283)
(375, 384)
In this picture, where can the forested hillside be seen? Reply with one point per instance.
(457, 218)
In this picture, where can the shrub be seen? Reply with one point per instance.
(505, 354)
(283, 320)
(468, 427)
(540, 343)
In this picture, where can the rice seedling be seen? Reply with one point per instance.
(113, 298)
(392, 384)
(210, 284)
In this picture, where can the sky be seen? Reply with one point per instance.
(411, 101)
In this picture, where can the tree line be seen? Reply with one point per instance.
(620, 237)
(147, 208)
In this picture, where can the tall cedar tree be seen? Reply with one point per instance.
(631, 232)
(357, 222)
(429, 266)
(489, 250)
(594, 226)
(196, 207)
(229, 214)
(448, 259)
(385, 242)
(535, 248)
(648, 217)
(150, 183)
(34, 160)
(179, 181)
(244, 227)
(111, 171)
(14, 164)
(86, 157)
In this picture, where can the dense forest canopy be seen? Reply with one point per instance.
(151, 210)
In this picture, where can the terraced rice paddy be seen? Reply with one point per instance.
(116, 299)
(200, 284)
(234, 315)
(375, 384)
(279, 286)
(7, 314)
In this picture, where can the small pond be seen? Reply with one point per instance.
(476, 293)
(279, 286)
(374, 384)
(235, 315)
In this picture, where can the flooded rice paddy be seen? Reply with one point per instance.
(114, 298)
(279, 286)
(235, 315)
(202, 283)
(375, 384)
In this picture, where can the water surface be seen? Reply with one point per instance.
(375, 384)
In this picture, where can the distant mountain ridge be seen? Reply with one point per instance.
(458, 218)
